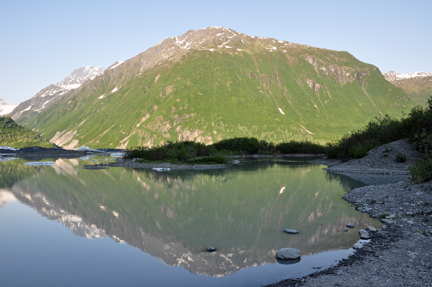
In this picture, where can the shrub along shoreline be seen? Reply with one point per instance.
(198, 153)
(417, 126)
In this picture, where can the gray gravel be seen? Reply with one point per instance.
(400, 254)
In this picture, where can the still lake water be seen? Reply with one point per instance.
(62, 225)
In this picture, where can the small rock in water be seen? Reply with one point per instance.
(235, 161)
(290, 231)
(387, 221)
(288, 254)
(350, 225)
(364, 234)
(371, 228)
(346, 230)
(211, 249)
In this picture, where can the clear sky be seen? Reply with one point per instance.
(42, 42)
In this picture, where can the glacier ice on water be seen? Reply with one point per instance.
(39, 163)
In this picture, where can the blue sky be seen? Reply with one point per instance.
(41, 42)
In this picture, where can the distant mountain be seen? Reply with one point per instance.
(216, 83)
(5, 108)
(417, 85)
(52, 93)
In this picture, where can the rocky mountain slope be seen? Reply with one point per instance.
(417, 85)
(215, 83)
(52, 93)
(5, 108)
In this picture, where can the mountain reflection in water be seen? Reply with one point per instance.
(175, 215)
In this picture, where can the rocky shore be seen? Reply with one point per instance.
(400, 254)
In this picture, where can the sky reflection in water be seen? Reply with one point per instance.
(172, 217)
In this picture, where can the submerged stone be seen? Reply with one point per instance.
(290, 231)
(350, 225)
(288, 261)
(211, 249)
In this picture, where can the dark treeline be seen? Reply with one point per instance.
(193, 152)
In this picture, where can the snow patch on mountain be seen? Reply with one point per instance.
(50, 94)
(393, 76)
(116, 64)
(79, 76)
(5, 108)
(26, 109)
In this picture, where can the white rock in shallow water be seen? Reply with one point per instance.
(288, 254)
(161, 169)
(85, 148)
(350, 225)
(118, 154)
(7, 148)
(364, 234)
(290, 231)
(235, 161)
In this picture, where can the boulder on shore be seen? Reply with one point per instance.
(364, 234)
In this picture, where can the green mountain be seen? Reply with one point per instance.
(215, 83)
(17, 136)
(417, 85)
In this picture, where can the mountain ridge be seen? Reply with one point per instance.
(5, 108)
(48, 95)
(215, 83)
(417, 85)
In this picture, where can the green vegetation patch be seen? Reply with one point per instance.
(17, 136)
(199, 153)
(417, 125)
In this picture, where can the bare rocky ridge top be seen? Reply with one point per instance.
(392, 76)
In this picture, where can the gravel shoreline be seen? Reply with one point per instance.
(400, 254)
